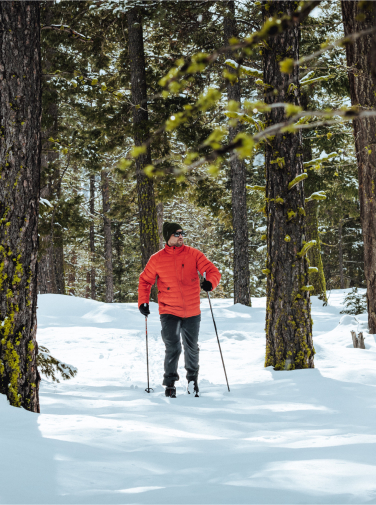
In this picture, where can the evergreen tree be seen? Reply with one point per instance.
(20, 154)
(238, 179)
(288, 322)
(363, 95)
(354, 303)
(145, 186)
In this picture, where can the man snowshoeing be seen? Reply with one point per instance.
(176, 268)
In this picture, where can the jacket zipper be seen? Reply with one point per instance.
(181, 292)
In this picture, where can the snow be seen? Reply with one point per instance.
(44, 201)
(305, 436)
(246, 70)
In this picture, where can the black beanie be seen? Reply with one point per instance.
(169, 229)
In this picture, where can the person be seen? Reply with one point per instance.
(175, 268)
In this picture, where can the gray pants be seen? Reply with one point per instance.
(172, 327)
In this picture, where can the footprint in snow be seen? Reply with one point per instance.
(101, 356)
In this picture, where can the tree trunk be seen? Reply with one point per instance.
(160, 225)
(51, 277)
(51, 254)
(91, 238)
(238, 182)
(59, 264)
(46, 280)
(87, 293)
(317, 279)
(118, 260)
(72, 274)
(107, 238)
(145, 185)
(20, 156)
(340, 255)
(363, 94)
(288, 314)
(58, 247)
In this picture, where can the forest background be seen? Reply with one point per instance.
(89, 217)
(252, 124)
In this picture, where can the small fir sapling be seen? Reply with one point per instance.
(355, 303)
(51, 367)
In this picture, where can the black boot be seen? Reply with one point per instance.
(193, 388)
(170, 391)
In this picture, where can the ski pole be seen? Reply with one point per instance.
(216, 332)
(148, 389)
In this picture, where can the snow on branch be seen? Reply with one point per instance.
(68, 29)
(297, 179)
(319, 195)
(244, 70)
(307, 246)
(317, 161)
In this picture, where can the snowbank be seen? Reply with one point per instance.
(278, 437)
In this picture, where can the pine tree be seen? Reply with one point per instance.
(107, 237)
(238, 180)
(145, 187)
(288, 321)
(20, 155)
(355, 303)
(363, 95)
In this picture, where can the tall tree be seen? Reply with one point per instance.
(238, 181)
(51, 257)
(107, 238)
(160, 224)
(314, 254)
(20, 154)
(363, 94)
(92, 238)
(145, 186)
(317, 279)
(288, 314)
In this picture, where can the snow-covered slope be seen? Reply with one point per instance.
(278, 437)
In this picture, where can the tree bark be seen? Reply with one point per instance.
(363, 94)
(288, 314)
(51, 253)
(118, 260)
(91, 238)
(20, 157)
(72, 273)
(145, 185)
(59, 263)
(107, 238)
(51, 277)
(160, 225)
(87, 293)
(340, 255)
(317, 280)
(238, 182)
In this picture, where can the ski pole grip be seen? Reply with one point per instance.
(205, 275)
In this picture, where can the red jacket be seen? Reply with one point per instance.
(178, 281)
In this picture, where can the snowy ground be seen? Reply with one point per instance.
(278, 437)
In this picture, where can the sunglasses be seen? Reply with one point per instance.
(178, 233)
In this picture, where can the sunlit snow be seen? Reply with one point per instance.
(307, 436)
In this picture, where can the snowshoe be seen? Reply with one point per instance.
(193, 389)
(170, 391)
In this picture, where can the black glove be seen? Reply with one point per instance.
(144, 309)
(206, 285)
